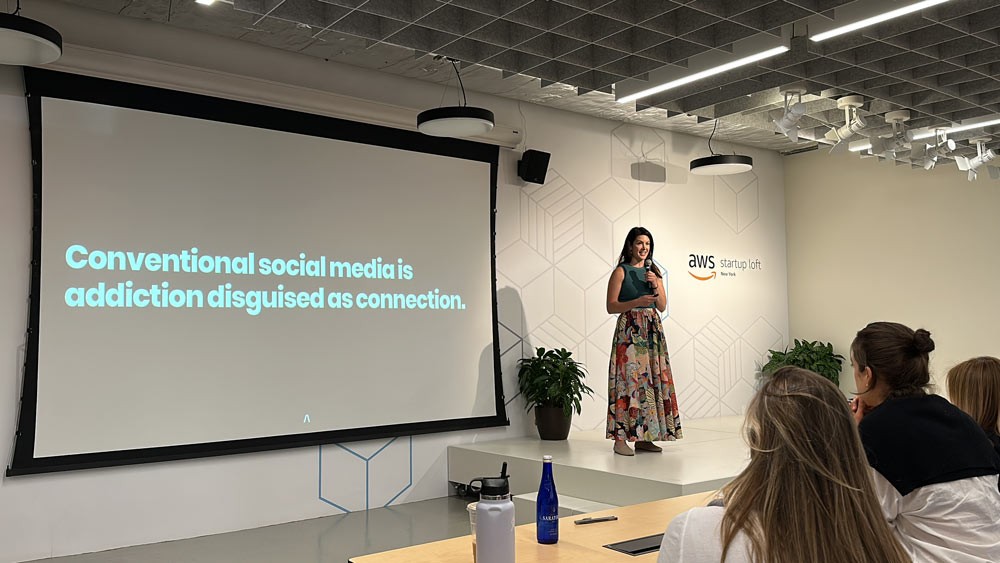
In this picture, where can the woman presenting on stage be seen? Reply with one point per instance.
(642, 405)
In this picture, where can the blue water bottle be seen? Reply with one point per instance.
(547, 505)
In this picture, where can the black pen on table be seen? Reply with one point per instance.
(589, 520)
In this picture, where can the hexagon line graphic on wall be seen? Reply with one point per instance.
(551, 335)
(721, 361)
(666, 289)
(520, 339)
(367, 461)
(715, 343)
(779, 338)
(736, 200)
(602, 197)
(658, 143)
(551, 213)
(519, 343)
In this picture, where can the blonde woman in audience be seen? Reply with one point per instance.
(974, 387)
(806, 495)
(935, 471)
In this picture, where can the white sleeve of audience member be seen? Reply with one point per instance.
(672, 546)
(957, 521)
(696, 537)
(891, 502)
(888, 498)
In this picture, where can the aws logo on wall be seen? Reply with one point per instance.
(702, 263)
(702, 267)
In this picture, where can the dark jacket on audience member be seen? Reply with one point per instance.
(935, 475)
(918, 441)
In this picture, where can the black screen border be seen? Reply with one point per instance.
(41, 83)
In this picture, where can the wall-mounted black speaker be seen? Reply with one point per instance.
(533, 166)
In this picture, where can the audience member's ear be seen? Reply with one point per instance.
(867, 377)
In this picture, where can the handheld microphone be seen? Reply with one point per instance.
(649, 265)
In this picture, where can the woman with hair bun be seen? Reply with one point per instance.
(935, 470)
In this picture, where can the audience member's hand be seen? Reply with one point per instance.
(859, 408)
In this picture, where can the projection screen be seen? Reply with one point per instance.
(217, 277)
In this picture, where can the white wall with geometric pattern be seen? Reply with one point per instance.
(556, 246)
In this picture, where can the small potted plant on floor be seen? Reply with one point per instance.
(552, 384)
(814, 356)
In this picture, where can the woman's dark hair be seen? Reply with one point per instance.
(897, 355)
(626, 255)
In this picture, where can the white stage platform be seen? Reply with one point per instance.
(711, 453)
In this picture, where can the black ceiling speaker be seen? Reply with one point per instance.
(533, 166)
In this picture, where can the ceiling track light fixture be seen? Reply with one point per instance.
(27, 42)
(932, 153)
(455, 121)
(926, 154)
(985, 156)
(899, 141)
(854, 122)
(877, 19)
(788, 123)
(720, 164)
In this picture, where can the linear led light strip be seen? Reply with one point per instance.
(876, 19)
(932, 132)
(957, 129)
(778, 50)
(703, 74)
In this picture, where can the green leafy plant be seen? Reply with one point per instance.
(552, 378)
(815, 356)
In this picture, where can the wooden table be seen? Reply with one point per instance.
(577, 544)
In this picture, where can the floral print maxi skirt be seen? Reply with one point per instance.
(642, 405)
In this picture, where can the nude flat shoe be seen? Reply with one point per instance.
(621, 448)
(648, 447)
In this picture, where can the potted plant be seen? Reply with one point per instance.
(815, 356)
(552, 383)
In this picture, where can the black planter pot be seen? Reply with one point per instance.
(552, 423)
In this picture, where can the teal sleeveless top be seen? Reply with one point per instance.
(634, 285)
